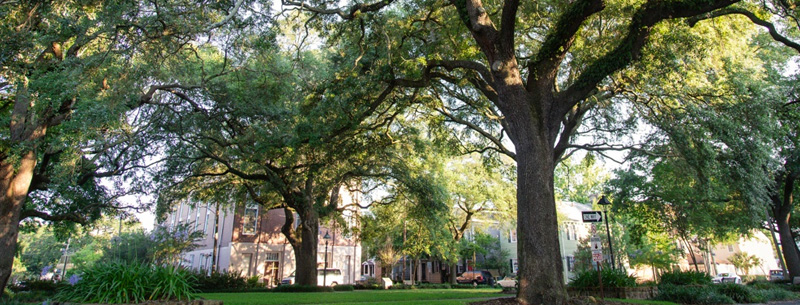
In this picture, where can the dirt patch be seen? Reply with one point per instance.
(572, 301)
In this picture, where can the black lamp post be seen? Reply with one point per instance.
(604, 202)
(325, 270)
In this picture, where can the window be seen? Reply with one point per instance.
(272, 256)
(191, 261)
(730, 248)
(512, 236)
(570, 263)
(514, 265)
(250, 219)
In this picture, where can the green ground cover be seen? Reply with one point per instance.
(421, 296)
(643, 302)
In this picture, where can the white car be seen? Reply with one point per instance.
(726, 277)
(507, 282)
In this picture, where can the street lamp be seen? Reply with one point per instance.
(327, 237)
(604, 202)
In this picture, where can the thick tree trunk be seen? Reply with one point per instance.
(14, 186)
(788, 246)
(452, 274)
(540, 266)
(782, 206)
(305, 250)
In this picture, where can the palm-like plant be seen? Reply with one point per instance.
(744, 262)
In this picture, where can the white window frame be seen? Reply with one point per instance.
(512, 236)
(247, 208)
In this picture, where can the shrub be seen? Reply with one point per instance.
(301, 288)
(434, 286)
(739, 293)
(611, 279)
(679, 278)
(776, 294)
(39, 285)
(218, 281)
(765, 285)
(253, 282)
(403, 286)
(343, 288)
(132, 282)
(370, 284)
(691, 295)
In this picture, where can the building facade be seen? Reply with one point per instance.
(250, 242)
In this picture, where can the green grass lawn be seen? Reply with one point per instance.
(421, 296)
(644, 302)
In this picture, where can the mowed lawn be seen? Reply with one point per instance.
(420, 296)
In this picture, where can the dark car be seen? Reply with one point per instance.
(776, 275)
(475, 277)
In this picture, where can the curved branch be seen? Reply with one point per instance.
(734, 11)
(346, 13)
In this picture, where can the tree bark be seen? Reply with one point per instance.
(305, 246)
(782, 209)
(14, 186)
(540, 265)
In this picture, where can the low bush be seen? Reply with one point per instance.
(302, 288)
(434, 286)
(679, 278)
(611, 279)
(691, 295)
(24, 297)
(367, 286)
(762, 285)
(739, 293)
(129, 282)
(343, 288)
(38, 285)
(776, 294)
(219, 281)
(403, 286)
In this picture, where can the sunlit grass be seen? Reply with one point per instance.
(422, 296)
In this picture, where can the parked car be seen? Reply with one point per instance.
(726, 277)
(508, 282)
(776, 275)
(475, 277)
(332, 277)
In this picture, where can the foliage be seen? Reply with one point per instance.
(681, 278)
(692, 295)
(579, 181)
(172, 241)
(302, 288)
(39, 250)
(776, 294)
(129, 282)
(740, 293)
(343, 288)
(744, 262)
(611, 279)
(133, 246)
(215, 281)
(486, 248)
(371, 283)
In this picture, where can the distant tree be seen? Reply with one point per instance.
(744, 262)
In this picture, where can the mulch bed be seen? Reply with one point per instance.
(572, 301)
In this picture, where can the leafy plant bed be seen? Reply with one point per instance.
(193, 302)
(637, 293)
